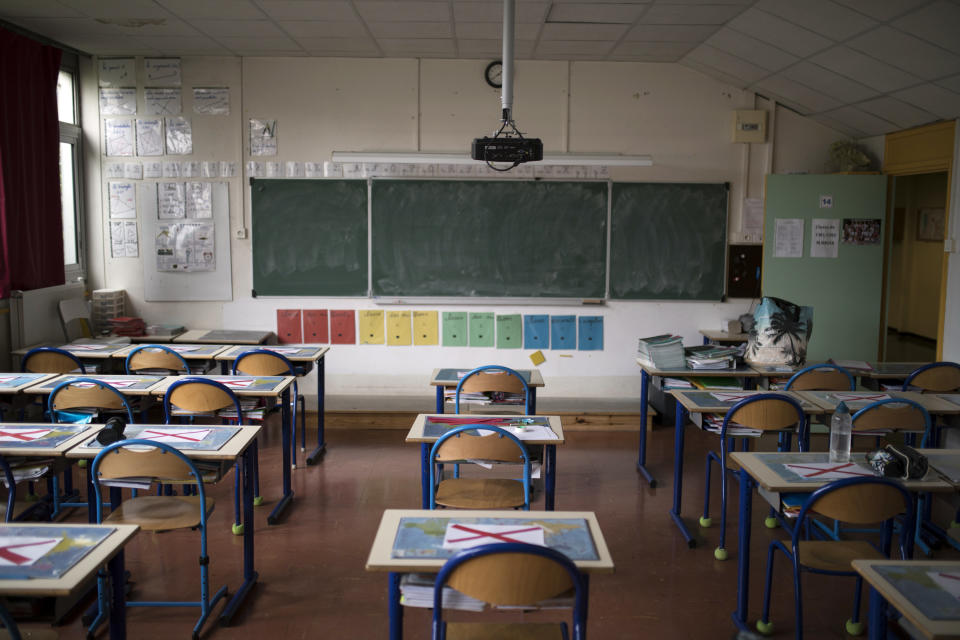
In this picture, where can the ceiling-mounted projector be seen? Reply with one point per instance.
(513, 150)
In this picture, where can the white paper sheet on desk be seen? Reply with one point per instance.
(21, 434)
(830, 470)
(527, 432)
(730, 396)
(282, 349)
(83, 347)
(239, 383)
(853, 396)
(17, 551)
(949, 582)
(182, 348)
(465, 536)
(116, 384)
(173, 436)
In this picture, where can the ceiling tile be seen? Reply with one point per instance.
(494, 31)
(820, 16)
(595, 12)
(184, 45)
(605, 32)
(576, 49)
(493, 48)
(882, 9)
(418, 47)
(652, 51)
(671, 33)
(854, 122)
(334, 10)
(745, 71)
(60, 28)
(870, 71)
(773, 30)
(938, 23)
(118, 9)
(253, 29)
(898, 112)
(719, 76)
(689, 14)
(300, 29)
(166, 27)
(930, 97)
(743, 46)
(410, 29)
(213, 9)
(332, 46)
(404, 11)
(37, 9)
(810, 100)
(116, 46)
(740, 2)
(257, 46)
(828, 82)
(907, 52)
(951, 83)
(493, 11)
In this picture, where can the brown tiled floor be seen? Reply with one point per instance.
(313, 583)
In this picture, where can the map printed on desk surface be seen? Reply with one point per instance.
(206, 438)
(61, 547)
(9, 381)
(946, 464)
(804, 467)
(38, 435)
(927, 588)
(423, 537)
(525, 428)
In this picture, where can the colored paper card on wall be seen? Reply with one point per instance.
(563, 332)
(398, 328)
(343, 329)
(509, 331)
(425, 327)
(590, 332)
(537, 358)
(536, 332)
(454, 328)
(289, 328)
(371, 326)
(481, 329)
(315, 329)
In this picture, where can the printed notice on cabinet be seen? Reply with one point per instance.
(824, 237)
(789, 238)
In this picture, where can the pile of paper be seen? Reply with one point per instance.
(711, 356)
(127, 326)
(663, 351)
(713, 423)
(416, 590)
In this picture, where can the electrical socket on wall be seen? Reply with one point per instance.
(241, 233)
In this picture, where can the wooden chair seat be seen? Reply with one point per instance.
(487, 631)
(160, 513)
(477, 493)
(829, 555)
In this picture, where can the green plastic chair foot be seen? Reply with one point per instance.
(237, 529)
(31, 497)
(954, 524)
(257, 501)
(706, 523)
(766, 628)
(854, 628)
(770, 522)
(81, 463)
(720, 553)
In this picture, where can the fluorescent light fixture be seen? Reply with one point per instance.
(589, 159)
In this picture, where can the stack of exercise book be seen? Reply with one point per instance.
(662, 352)
(711, 356)
(127, 326)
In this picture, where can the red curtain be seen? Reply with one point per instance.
(31, 233)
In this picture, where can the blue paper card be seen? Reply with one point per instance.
(563, 332)
(536, 332)
(591, 333)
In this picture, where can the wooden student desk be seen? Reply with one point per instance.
(411, 541)
(450, 378)
(127, 385)
(194, 354)
(241, 447)
(427, 429)
(13, 384)
(96, 352)
(79, 576)
(306, 356)
(224, 336)
(767, 471)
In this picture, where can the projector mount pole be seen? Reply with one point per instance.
(506, 87)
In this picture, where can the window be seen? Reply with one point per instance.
(70, 170)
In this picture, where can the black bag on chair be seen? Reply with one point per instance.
(898, 461)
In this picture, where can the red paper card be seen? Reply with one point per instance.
(315, 328)
(289, 330)
(343, 327)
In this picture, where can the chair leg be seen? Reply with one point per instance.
(103, 604)
(797, 599)
(303, 423)
(764, 625)
(237, 527)
(854, 626)
(720, 553)
(705, 519)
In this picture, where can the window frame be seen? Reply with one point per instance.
(72, 134)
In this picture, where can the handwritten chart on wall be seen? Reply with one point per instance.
(489, 238)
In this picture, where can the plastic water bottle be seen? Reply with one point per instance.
(841, 426)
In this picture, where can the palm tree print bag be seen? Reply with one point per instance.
(780, 333)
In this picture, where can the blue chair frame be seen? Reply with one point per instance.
(927, 367)
(495, 367)
(817, 367)
(160, 347)
(99, 383)
(580, 581)
(11, 486)
(499, 433)
(62, 352)
(206, 603)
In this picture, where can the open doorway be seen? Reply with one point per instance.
(915, 267)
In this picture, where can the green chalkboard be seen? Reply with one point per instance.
(309, 237)
(489, 238)
(668, 241)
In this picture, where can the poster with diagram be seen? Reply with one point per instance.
(170, 201)
(123, 239)
(161, 102)
(179, 137)
(149, 137)
(119, 137)
(185, 247)
(263, 137)
(123, 200)
(199, 200)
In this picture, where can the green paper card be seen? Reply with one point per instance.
(454, 328)
(509, 331)
(481, 329)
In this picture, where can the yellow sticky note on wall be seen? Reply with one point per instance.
(371, 326)
(537, 358)
(426, 328)
(398, 328)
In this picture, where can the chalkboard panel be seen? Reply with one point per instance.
(489, 238)
(309, 237)
(668, 241)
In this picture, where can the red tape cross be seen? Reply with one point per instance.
(493, 421)
(25, 436)
(182, 436)
(837, 469)
(8, 554)
(502, 537)
(947, 575)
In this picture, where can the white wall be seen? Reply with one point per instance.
(678, 116)
(951, 328)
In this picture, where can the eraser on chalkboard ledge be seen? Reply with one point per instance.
(593, 301)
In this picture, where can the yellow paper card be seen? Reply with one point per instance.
(426, 328)
(398, 328)
(371, 326)
(537, 358)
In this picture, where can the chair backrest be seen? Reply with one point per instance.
(821, 377)
(861, 501)
(512, 573)
(263, 362)
(894, 414)
(939, 377)
(86, 393)
(75, 318)
(156, 357)
(11, 488)
(50, 360)
(493, 377)
(766, 412)
(199, 395)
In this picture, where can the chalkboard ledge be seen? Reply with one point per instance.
(463, 301)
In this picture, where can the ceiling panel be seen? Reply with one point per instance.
(342, 46)
(671, 32)
(595, 12)
(760, 53)
(213, 9)
(333, 10)
(898, 112)
(950, 83)
(870, 71)
(118, 46)
(938, 23)
(265, 46)
(716, 74)
(776, 31)
(937, 100)
(175, 45)
(747, 72)
(472, 48)
(299, 29)
(61, 28)
(654, 51)
(410, 29)
(828, 82)
(413, 47)
(588, 48)
(605, 32)
(253, 29)
(911, 54)
(822, 16)
(38, 9)
(854, 121)
(117, 9)
(663, 13)
(404, 11)
(493, 11)
(882, 9)
(809, 100)
(494, 31)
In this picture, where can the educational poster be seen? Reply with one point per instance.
(313, 169)
(117, 72)
(210, 169)
(161, 102)
(481, 329)
(119, 137)
(563, 332)
(153, 169)
(425, 328)
(398, 328)
(228, 169)
(343, 327)
(199, 200)
(861, 231)
(590, 333)
(123, 200)
(274, 170)
(170, 201)
(211, 101)
(294, 169)
(179, 136)
(454, 329)
(255, 169)
(315, 326)
(371, 326)
(185, 247)
(289, 326)
(150, 137)
(118, 101)
(824, 237)
(133, 171)
(171, 169)
(162, 72)
(113, 170)
(788, 238)
(190, 169)
(263, 137)
(509, 331)
(123, 239)
(536, 331)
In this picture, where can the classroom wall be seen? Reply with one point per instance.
(677, 115)
(951, 330)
